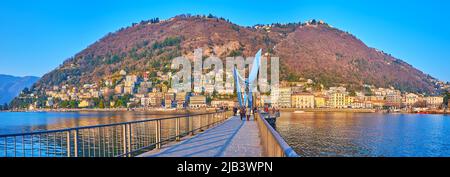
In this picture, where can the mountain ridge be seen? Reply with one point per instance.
(312, 50)
(11, 86)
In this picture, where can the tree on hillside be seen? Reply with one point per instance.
(64, 104)
(73, 104)
(101, 105)
(446, 97)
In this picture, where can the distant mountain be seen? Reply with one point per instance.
(311, 50)
(11, 86)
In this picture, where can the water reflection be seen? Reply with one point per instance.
(359, 134)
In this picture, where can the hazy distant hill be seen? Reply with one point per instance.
(11, 86)
(311, 50)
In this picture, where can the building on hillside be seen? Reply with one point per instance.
(303, 100)
(128, 90)
(123, 72)
(118, 89)
(144, 87)
(131, 80)
(49, 102)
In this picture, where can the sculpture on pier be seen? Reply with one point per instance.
(245, 98)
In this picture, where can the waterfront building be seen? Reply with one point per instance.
(209, 88)
(434, 101)
(303, 100)
(168, 99)
(394, 100)
(197, 101)
(349, 100)
(84, 104)
(411, 99)
(319, 102)
(155, 99)
(358, 104)
(378, 103)
(180, 98)
(220, 103)
(337, 100)
(145, 102)
(284, 100)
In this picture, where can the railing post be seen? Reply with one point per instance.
(68, 144)
(124, 138)
(158, 134)
(177, 129)
(75, 143)
(202, 119)
(191, 123)
(129, 139)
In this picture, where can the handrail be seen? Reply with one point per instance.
(273, 144)
(124, 139)
(101, 125)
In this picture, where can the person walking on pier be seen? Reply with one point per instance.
(248, 112)
(242, 112)
(235, 109)
(255, 110)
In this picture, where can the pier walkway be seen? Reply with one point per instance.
(233, 138)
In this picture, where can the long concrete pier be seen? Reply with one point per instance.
(233, 138)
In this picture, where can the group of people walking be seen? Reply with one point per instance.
(245, 112)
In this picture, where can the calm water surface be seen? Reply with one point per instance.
(21, 122)
(366, 134)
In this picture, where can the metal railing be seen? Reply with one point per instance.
(273, 144)
(124, 139)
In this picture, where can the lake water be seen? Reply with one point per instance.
(310, 134)
(21, 122)
(366, 134)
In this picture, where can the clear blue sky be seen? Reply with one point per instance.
(37, 36)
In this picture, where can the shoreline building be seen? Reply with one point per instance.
(337, 97)
(284, 99)
(394, 100)
(434, 101)
(303, 100)
(411, 99)
(198, 101)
